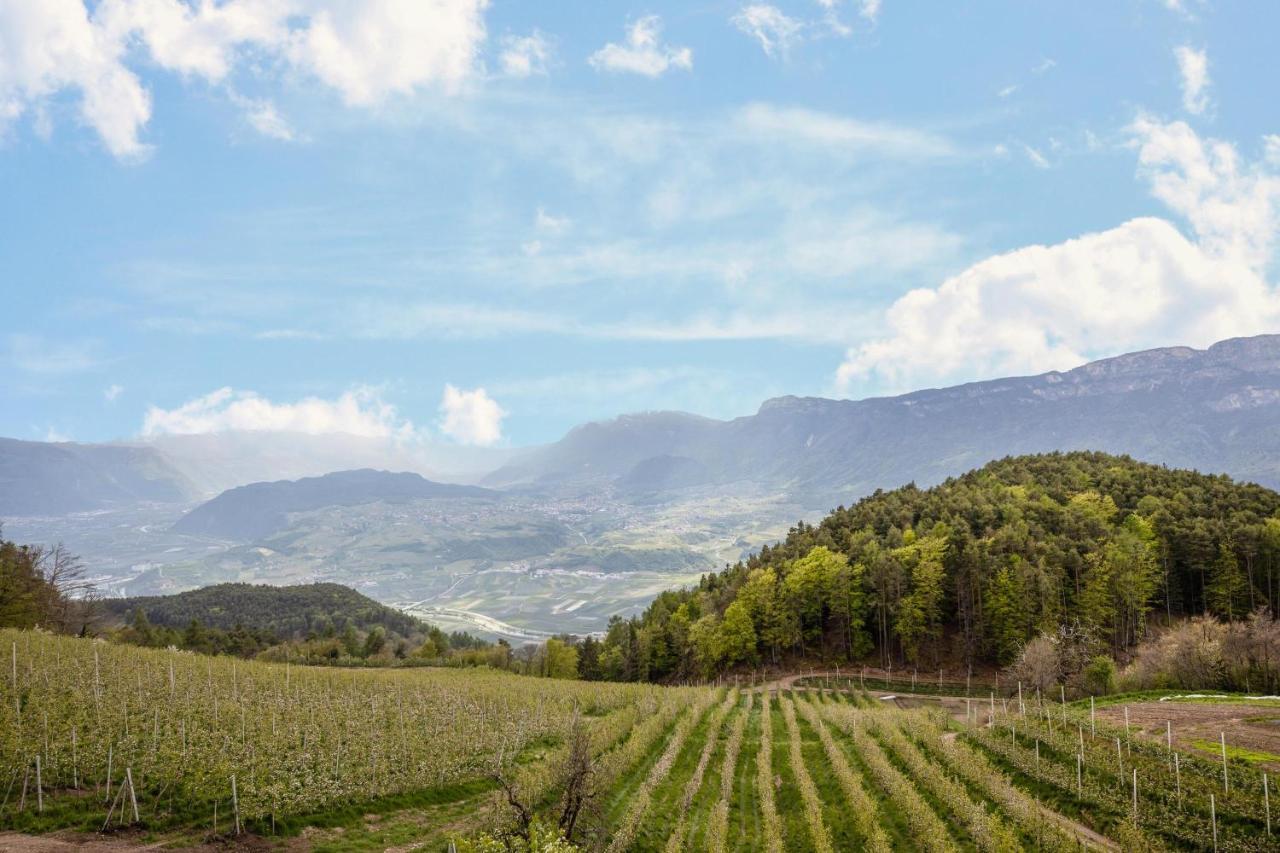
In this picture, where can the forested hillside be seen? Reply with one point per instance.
(288, 611)
(966, 572)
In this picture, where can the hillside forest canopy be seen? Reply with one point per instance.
(1077, 559)
(1092, 548)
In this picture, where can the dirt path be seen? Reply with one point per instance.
(76, 842)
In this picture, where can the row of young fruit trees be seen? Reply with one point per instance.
(94, 736)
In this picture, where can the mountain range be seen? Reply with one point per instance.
(1214, 410)
(46, 478)
(259, 509)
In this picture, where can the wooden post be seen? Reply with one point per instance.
(1119, 757)
(1213, 816)
(39, 788)
(1177, 777)
(110, 748)
(133, 794)
(235, 802)
(1266, 802)
(1135, 796)
(75, 774)
(1062, 691)
(1093, 726)
(1226, 786)
(1079, 774)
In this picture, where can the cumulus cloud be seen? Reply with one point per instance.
(263, 117)
(525, 56)
(1193, 65)
(112, 393)
(471, 417)
(768, 25)
(360, 412)
(365, 51)
(643, 53)
(1141, 284)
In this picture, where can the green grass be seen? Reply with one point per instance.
(1238, 753)
(744, 810)
(835, 811)
(1210, 697)
(664, 807)
(795, 829)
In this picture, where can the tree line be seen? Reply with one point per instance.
(965, 573)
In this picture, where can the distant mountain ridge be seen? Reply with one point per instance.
(44, 478)
(1214, 410)
(251, 512)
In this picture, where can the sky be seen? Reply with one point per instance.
(483, 223)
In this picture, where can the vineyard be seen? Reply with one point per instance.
(159, 744)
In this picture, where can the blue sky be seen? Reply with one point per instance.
(509, 218)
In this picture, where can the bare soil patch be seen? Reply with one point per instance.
(1253, 727)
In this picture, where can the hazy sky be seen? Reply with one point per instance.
(487, 222)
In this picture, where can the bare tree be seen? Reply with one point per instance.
(579, 777)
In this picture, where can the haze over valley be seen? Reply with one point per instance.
(562, 537)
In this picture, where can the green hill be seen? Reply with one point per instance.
(288, 612)
(968, 571)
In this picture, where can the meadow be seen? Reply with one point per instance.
(160, 745)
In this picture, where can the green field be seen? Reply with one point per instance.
(170, 747)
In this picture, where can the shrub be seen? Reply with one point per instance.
(1099, 676)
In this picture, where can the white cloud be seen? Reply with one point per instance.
(471, 417)
(1140, 284)
(525, 56)
(549, 224)
(644, 53)
(869, 9)
(1044, 65)
(768, 25)
(366, 51)
(55, 435)
(37, 354)
(1037, 159)
(263, 117)
(840, 133)
(1233, 206)
(112, 393)
(1193, 65)
(52, 45)
(360, 412)
(1008, 90)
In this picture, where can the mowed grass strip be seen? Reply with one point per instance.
(716, 838)
(818, 832)
(860, 807)
(986, 829)
(770, 823)
(788, 799)
(745, 823)
(675, 840)
(628, 828)
(928, 832)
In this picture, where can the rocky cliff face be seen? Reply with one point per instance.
(1216, 410)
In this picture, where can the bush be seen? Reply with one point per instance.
(1099, 676)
